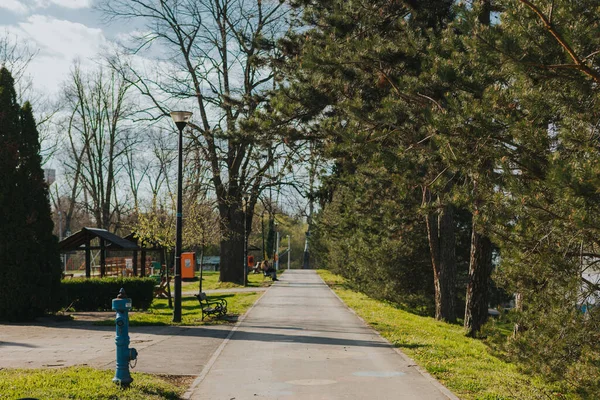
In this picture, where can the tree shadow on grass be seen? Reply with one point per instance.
(410, 345)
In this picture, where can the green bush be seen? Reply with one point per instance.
(97, 294)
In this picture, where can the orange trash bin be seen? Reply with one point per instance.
(188, 265)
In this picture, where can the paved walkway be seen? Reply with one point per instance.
(301, 342)
(298, 342)
(162, 350)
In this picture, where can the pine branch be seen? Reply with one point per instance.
(579, 63)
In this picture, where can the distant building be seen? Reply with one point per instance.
(210, 263)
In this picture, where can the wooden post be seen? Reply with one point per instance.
(143, 263)
(88, 259)
(162, 259)
(135, 263)
(102, 258)
(167, 277)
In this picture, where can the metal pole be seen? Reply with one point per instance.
(60, 238)
(262, 227)
(245, 241)
(178, 229)
(277, 251)
(305, 262)
(289, 251)
(201, 264)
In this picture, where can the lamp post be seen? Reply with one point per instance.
(180, 118)
(305, 262)
(289, 251)
(60, 238)
(245, 240)
(277, 251)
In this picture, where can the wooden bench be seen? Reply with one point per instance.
(163, 290)
(216, 307)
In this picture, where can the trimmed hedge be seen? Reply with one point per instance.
(97, 294)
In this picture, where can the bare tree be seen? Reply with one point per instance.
(219, 62)
(98, 140)
(16, 55)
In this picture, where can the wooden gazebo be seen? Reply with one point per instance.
(154, 246)
(82, 241)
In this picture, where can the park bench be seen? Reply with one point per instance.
(216, 307)
(162, 289)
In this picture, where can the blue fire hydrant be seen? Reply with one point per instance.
(122, 305)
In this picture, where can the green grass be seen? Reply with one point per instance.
(159, 314)
(465, 366)
(84, 383)
(210, 281)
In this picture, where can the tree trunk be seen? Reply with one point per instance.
(447, 269)
(440, 232)
(232, 243)
(518, 328)
(480, 270)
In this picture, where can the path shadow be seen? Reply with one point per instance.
(239, 335)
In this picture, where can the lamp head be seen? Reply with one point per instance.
(181, 118)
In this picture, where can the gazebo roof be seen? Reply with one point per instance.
(75, 241)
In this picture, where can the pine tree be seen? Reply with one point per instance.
(30, 265)
(549, 49)
(362, 63)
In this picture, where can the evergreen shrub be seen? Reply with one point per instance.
(97, 294)
(30, 265)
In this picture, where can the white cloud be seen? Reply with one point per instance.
(61, 38)
(16, 6)
(27, 6)
(59, 43)
(63, 3)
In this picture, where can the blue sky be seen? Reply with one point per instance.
(61, 31)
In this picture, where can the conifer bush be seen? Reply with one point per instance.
(30, 268)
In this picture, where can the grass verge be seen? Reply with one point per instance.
(86, 383)
(159, 314)
(465, 366)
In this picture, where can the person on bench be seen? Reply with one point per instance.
(269, 270)
(257, 268)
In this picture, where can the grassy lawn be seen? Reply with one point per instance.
(160, 314)
(210, 281)
(86, 383)
(465, 366)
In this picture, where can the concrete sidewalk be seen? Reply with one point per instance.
(162, 350)
(301, 342)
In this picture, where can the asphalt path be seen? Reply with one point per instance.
(299, 341)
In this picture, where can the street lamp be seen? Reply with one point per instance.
(181, 119)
